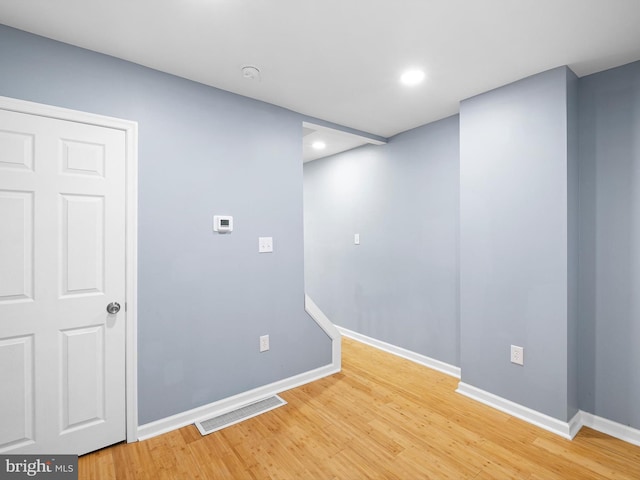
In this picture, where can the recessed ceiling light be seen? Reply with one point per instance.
(318, 145)
(412, 77)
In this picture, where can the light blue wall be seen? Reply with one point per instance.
(204, 299)
(514, 260)
(609, 334)
(204, 151)
(551, 240)
(400, 285)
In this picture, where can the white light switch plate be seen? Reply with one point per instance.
(517, 355)
(356, 239)
(264, 343)
(265, 244)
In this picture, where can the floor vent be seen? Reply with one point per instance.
(236, 416)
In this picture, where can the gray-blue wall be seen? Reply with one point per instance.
(203, 151)
(503, 180)
(514, 238)
(204, 299)
(609, 333)
(400, 285)
(550, 240)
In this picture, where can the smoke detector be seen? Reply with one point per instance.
(250, 72)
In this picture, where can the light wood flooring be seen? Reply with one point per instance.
(382, 417)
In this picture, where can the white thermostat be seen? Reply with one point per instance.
(223, 223)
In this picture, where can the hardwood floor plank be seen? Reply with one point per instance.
(382, 417)
(603, 463)
(131, 462)
(215, 458)
(99, 463)
(605, 442)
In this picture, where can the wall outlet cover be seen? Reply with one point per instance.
(265, 244)
(517, 355)
(264, 343)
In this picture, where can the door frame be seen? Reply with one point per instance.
(130, 129)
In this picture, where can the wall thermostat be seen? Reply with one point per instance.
(223, 223)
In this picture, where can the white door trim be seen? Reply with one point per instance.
(130, 129)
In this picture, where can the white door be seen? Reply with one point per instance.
(62, 261)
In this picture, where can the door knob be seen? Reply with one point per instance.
(113, 307)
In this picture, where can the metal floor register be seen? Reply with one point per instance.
(219, 422)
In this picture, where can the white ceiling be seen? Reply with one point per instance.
(340, 60)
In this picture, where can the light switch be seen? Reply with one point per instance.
(265, 244)
(356, 239)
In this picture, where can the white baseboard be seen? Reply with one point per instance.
(225, 405)
(565, 429)
(404, 353)
(609, 427)
(575, 424)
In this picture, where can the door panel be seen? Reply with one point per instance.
(62, 260)
(82, 382)
(82, 254)
(80, 158)
(17, 150)
(16, 246)
(17, 400)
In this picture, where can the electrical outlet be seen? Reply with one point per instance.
(265, 244)
(517, 355)
(264, 343)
